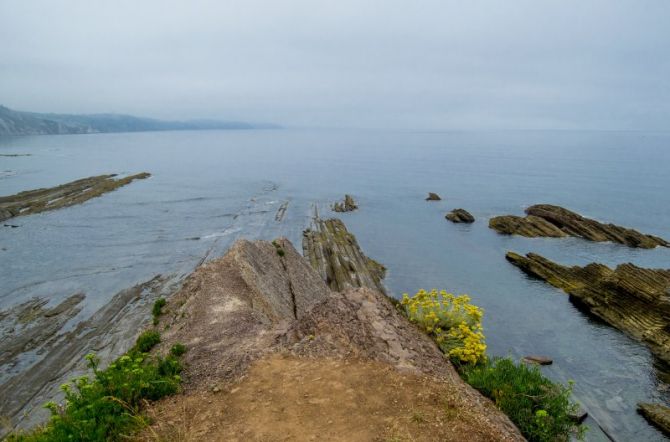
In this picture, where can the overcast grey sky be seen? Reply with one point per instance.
(513, 64)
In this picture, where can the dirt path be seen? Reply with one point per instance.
(302, 399)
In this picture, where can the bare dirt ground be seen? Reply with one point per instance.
(302, 399)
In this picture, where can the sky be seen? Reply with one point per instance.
(417, 65)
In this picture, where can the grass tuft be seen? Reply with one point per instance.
(157, 309)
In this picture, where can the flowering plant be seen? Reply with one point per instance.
(451, 320)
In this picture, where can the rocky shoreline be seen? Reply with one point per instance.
(69, 194)
(545, 220)
(633, 299)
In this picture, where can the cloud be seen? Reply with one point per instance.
(392, 64)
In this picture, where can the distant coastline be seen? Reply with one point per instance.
(14, 122)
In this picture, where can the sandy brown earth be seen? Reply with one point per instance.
(274, 355)
(287, 398)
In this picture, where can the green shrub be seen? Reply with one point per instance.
(540, 408)
(157, 309)
(108, 406)
(178, 349)
(146, 341)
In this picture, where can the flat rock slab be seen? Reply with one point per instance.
(546, 220)
(656, 414)
(69, 194)
(633, 299)
(460, 216)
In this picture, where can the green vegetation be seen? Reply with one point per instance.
(540, 408)
(178, 349)
(278, 247)
(108, 406)
(157, 309)
(146, 341)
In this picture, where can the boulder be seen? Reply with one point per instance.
(460, 216)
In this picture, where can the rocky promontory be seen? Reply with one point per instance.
(460, 216)
(273, 351)
(546, 220)
(633, 299)
(69, 194)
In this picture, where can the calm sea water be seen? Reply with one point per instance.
(209, 188)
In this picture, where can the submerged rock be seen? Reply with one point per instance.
(335, 254)
(460, 216)
(545, 220)
(657, 415)
(348, 205)
(75, 192)
(539, 360)
(433, 197)
(633, 299)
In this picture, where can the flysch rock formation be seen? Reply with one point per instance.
(633, 299)
(336, 256)
(347, 205)
(545, 220)
(460, 216)
(75, 192)
(32, 328)
(274, 354)
(658, 415)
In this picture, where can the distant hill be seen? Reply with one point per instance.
(30, 123)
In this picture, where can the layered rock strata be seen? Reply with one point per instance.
(545, 220)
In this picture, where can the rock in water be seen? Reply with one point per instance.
(348, 205)
(630, 298)
(335, 254)
(460, 216)
(658, 415)
(539, 360)
(545, 220)
(433, 197)
(75, 192)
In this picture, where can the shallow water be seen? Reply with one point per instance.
(211, 187)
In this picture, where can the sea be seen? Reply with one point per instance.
(210, 188)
